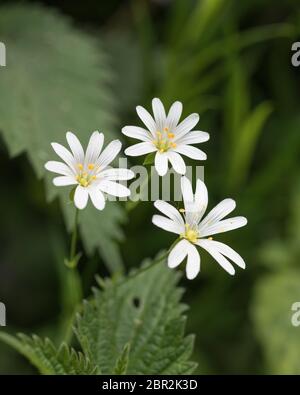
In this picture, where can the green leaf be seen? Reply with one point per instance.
(144, 311)
(57, 79)
(272, 314)
(245, 143)
(149, 160)
(122, 361)
(47, 358)
(202, 19)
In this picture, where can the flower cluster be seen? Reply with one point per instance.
(167, 139)
(89, 170)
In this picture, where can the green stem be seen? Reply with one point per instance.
(74, 237)
(73, 284)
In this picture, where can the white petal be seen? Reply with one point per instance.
(140, 149)
(186, 125)
(201, 198)
(117, 174)
(193, 262)
(213, 251)
(227, 252)
(177, 162)
(147, 119)
(178, 253)
(159, 113)
(59, 168)
(81, 197)
(137, 133)
(97, 198)
(170, 211)
(167, 224)
(64, 180)
(109, 153)
(191, 152)
(113, 188)
(220, 211)
(194, 137)
(65, 155)
(174, 115)
(94, 148)
(187, 192)
(223, 226)
(161, 163)
(75, 147)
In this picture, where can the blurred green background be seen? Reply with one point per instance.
(85, 66)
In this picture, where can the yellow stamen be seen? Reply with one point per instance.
(173, 145)
(80, 166)
(159, 134)
(94, 178)
(171, 135)
(91, 166)
(166, 129)
(190, 234)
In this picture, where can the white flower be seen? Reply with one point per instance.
(166, 137)
(194, 229)
(89, 170)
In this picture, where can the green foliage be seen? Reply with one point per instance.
(122, 361)
(57, 79)
(144, 311)
(245, 142)
(47, 358)
(272, 315)
(132, 325)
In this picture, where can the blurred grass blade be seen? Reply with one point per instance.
(205, 15)
(245, 144)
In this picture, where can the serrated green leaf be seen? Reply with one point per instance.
(122, 361)
(56, 80)
(47, 358)
(145, 311)
(272, 314)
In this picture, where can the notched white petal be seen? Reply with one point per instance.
(64, 181)
(193, 262)
(169, 211)
(191, 152)
(167, 224)
(97, 198)
(161, 163)
(147, 119)
(178, 253)
(177, 162)
(81, 197)
(140, 149)
(138, 133)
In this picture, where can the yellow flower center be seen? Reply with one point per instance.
(190, 234)
(85, 178)
(163, 141)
